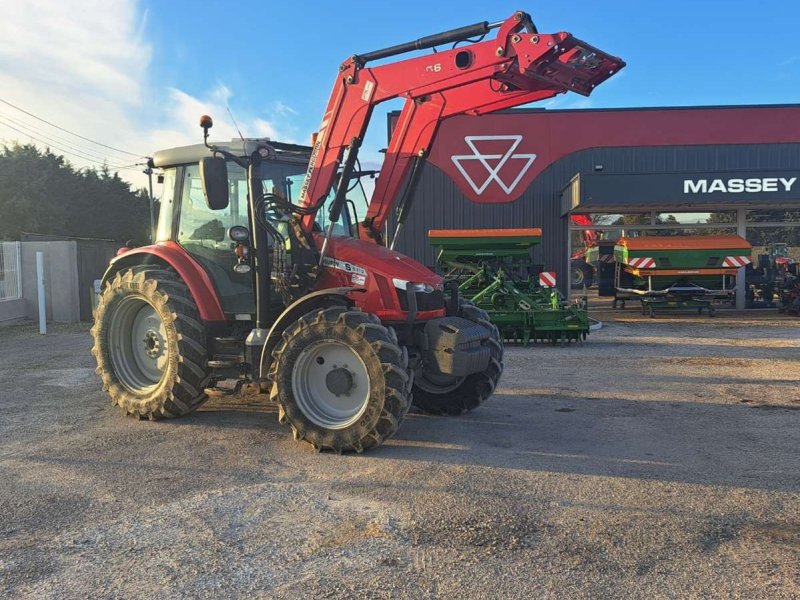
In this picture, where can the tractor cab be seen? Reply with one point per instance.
(779, 252)
(215, 236)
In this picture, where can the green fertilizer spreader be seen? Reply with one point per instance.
(678, 272)
(493, 269)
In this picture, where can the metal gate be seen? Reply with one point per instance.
(10, 271)
(93, 258)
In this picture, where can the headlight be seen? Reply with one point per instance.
(403, 284)
(239, 233)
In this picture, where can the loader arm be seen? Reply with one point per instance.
(516, 67)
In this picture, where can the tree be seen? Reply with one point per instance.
(41, 192)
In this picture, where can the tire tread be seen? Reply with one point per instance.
(184, 389)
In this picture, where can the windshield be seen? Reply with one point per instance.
(282, 179)
(355, 208)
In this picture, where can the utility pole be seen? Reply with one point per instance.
(149, 172)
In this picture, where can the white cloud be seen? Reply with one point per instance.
(85, 65)
(78, 64)
(565, 101)
(283, 109)
(91, 46)
(182, 118)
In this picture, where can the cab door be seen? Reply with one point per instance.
(203, 233)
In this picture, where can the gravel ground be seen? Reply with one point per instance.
(659, 459)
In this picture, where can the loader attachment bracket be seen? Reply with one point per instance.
(570, 64)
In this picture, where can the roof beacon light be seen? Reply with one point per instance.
(206, 123)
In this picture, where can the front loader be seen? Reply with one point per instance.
(263, 273)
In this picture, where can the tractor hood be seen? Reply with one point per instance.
(353, 255)
(380, 279)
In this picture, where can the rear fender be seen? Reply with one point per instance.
(170, 254)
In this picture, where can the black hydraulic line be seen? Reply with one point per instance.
(344, 181)
(262, 280)
(404, 206)
(438, 39)
(528, 24)
(341, 192)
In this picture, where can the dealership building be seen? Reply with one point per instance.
(635, 172)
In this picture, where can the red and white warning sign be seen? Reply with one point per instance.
(642, 262)
(736, 261)
(547, 279)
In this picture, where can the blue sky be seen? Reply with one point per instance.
(136, 74)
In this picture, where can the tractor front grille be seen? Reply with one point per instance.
(425, 300)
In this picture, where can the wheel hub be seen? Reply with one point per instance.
(153, 343)
(340, 381)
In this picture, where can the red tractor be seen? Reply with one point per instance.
(263, 273)
(581, 270)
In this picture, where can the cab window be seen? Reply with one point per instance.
(204, 234)
(344, 226)
(199, 225)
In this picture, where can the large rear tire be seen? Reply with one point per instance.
(581, 275)
(577, 276)
(340, 380)
(149, 344)
(453, 396)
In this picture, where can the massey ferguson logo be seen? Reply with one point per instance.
(738, 186)
(499, 162)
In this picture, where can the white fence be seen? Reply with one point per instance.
(10, 271)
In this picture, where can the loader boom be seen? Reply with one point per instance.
(516, 67)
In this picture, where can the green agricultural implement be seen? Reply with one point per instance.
(494, 270)
(678, 272)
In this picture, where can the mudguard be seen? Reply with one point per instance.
(170, 254)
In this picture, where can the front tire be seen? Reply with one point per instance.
(149, 344)
(340, 380)
(457, 395)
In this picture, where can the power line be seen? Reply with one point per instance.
(55, 139)
(74, 153)
(71, 153)
(71, 132)
(50, 135)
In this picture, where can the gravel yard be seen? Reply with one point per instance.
(659, 459)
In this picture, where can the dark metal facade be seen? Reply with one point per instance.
(439, 204)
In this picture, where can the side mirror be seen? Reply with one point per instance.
(214, 175)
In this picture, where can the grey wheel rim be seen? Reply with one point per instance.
(137, 344)
(331, 384)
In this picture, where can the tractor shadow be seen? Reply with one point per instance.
(749, 445)
(740, 445)
(234, 414)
